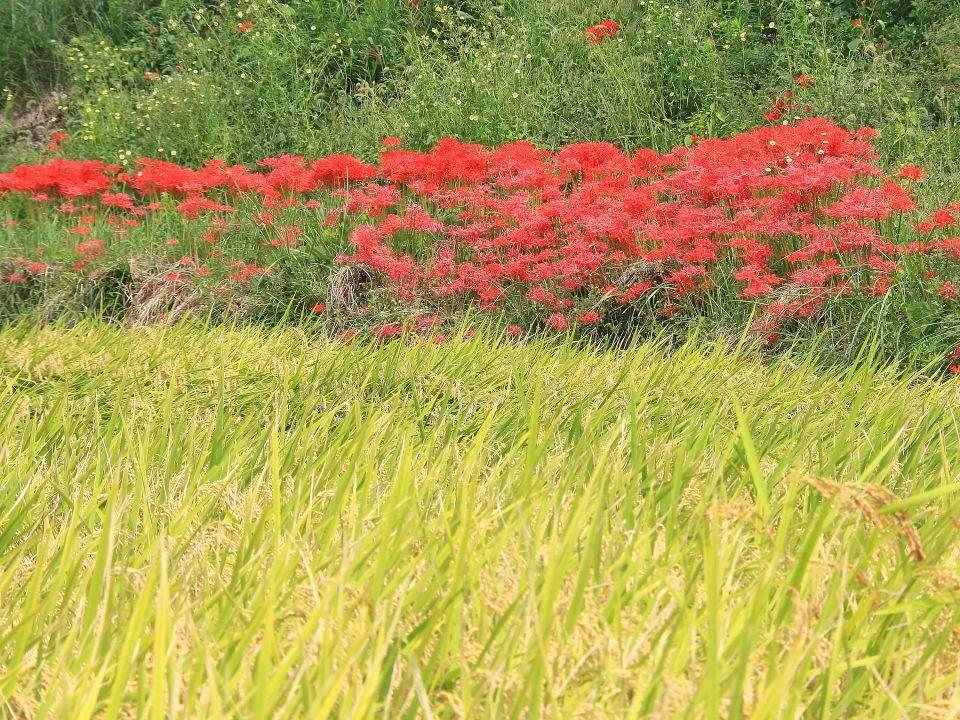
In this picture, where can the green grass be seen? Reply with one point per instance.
(30, 31)
(201, 522)
(157, 77)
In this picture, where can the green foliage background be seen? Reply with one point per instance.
(313, 76)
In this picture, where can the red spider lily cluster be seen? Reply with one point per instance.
(790, 217)
(56, 141)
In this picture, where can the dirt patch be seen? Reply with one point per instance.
(35, 119)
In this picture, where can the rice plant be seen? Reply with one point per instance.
(204, 522)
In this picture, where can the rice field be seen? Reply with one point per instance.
(210, 522)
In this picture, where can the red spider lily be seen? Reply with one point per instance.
(90, 248)
(56, 140)
(244, 271)
(192, 207)
(387, 331)
(288, 237)
(948, 291)
(424, 322)
(602, 31)
(558, 321)
(246, 26)
(881, 285)
(780, 107)
(118, 200)
(954, 355)
(912, 172)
